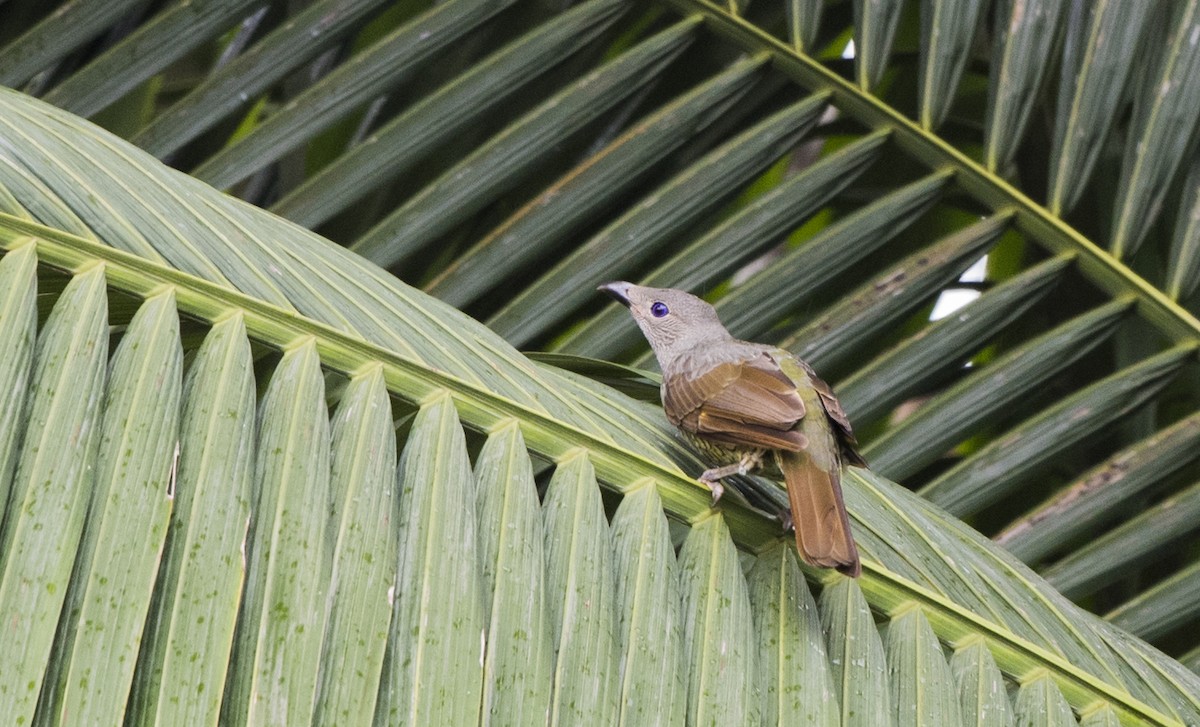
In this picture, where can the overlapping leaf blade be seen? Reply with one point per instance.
(797, 687)
(468, 186)
(365, 543)
(902, 371)
(580, 590)
(718, 636)
(903, 450)
(168, 37)
(282, 620)
(433, 672)
(748, 234)
(581, 194)
(1168, 112)
(18, 335)
(50, 492)
(653, 221)
(309, 33)
(561, 399)
(200, 582)
(962, 490)
(126, 527)
(1020, 56)
(398, 56)
(650, 633)
(948, 28)
(1101, 39)
(396, 147)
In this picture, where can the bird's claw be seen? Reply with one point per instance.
(712, 480)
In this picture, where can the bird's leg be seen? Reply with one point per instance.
(711, 478)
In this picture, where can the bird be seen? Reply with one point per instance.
(751, 406)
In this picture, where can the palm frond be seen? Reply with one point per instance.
(507, 157)
(338, 319)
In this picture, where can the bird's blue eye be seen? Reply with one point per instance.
(659, 309)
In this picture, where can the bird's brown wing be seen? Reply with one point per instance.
(747, 403)
(837, 416)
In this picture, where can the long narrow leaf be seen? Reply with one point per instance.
(471, 184)
(1093, 82)
(395, 148)
(580, 194)
(306, 35)
(518, 667)
(1106, 558)
(282, 622)
(434, 669)
(72, 25)
(797, 687)
(800, 273)
(1025, 31)
(860, 677)
(982, 478)
(1169, 605)
(52, 487)
(1183, 271)
(830, 339)
(365, 547)
(18, 336)
(747, 234)
(650, 632)
(718, 636)
(923, 691)
(127, 524)
(905, 448)
(947, 31)
(1171, 110)
(204, 561)
(804, 20)
(1039, 702)
(579, 583)
(398, 56)
(875, 24)
(1104, 491)
(902, 371)
(168, 37)
(981, 687)
(650, 224)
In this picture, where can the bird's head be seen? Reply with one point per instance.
(672, 320)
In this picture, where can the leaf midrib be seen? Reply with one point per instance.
(483, 410)
(1104, 270)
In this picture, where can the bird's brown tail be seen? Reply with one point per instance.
(822, 526)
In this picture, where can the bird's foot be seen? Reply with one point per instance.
(785, 519)
(711, 478)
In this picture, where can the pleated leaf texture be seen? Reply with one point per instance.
(291, 489)
(828, 172)
(834, 175)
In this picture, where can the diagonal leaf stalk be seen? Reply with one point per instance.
(888, 592)
(406, 377)
(1035, 220)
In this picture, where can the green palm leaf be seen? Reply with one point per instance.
(969, 591)
(507, 158)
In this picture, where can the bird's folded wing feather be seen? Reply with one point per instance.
(837, 416)
(747, 402)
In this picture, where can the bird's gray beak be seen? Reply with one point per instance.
(618, 290)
